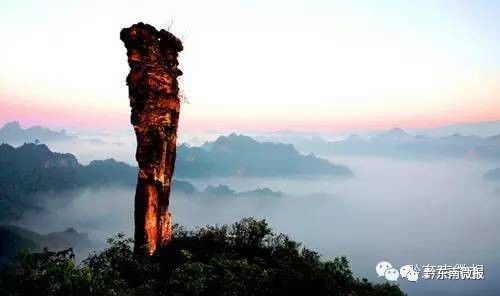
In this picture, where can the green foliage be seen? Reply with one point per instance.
(46, 273)
(246, 258)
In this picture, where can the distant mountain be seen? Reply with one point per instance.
(31, 169)
(13, 133)
(480, 129)
(393, 135)
(320, 142)
(30, 172)
(238, 155)
(14, 239)
(32, 155)
(34, 168)
(304, 142)
(225, 191)
(400, 144)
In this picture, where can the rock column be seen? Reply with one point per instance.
(154, 100)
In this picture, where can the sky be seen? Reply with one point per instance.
(258, 65)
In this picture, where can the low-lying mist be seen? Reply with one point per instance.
(438, 212)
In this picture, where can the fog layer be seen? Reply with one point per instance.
(437, 212)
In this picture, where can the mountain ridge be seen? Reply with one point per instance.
(397, 143)
(29, 171)
(240, 155)
(13, 132)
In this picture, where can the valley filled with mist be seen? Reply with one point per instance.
(401, 197)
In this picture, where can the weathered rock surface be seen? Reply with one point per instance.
(154, 99)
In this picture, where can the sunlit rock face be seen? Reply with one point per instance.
(154, 99)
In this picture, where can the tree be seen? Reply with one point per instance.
(244, 259)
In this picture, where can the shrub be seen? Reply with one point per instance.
(246, 258)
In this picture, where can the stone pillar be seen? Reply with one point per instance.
(154, 100)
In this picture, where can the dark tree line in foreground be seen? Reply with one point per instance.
(245, 258)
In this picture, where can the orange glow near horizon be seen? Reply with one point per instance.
(94, 118)
(335, 66)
